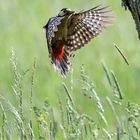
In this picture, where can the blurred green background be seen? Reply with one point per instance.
(21, 28)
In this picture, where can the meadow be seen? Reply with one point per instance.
(99, 99)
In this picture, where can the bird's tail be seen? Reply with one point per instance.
(62, 65)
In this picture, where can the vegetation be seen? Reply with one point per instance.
(98, 100)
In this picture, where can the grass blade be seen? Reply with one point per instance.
(123, 56)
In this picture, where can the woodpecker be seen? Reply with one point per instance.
(69, 31)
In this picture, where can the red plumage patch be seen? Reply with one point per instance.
(58, 51)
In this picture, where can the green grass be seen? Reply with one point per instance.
(99, 100)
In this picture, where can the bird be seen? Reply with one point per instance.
(70, 31)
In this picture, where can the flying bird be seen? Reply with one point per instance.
(69, 31)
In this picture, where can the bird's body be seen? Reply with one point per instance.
(69, 31)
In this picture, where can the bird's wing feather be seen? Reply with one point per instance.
(86, 25)
(51, 28)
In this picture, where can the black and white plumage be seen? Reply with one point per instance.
(70, 31)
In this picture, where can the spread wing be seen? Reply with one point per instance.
(86, 25)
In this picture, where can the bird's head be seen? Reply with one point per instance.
(65, 11)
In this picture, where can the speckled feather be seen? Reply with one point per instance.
(87, 25)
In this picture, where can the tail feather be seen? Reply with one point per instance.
(62, 65)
